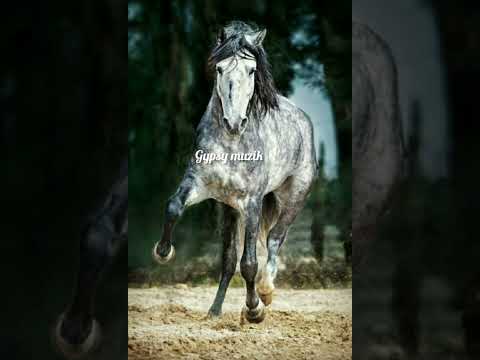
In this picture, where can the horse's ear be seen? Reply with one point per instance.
(256, 39)
(221, 36)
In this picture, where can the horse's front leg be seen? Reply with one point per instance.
(189, 192)
(254, 311)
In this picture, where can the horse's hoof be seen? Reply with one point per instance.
(266, 298)
(214, 314)
(256, 315)
(160, 259)
(72, 350)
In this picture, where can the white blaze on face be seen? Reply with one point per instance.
(235, 85)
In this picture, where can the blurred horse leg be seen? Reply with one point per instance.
(77, 332)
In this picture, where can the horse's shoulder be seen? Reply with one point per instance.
(286, 102)
(296, 112)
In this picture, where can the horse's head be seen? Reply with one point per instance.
(236, 58)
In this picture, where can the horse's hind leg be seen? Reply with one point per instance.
(189, 192)
(229, 260)
(276, 237)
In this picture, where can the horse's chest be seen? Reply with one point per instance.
(227, 180)
(229, 184)
(233, 182)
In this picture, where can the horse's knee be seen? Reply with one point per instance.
(96, 246)
(249, 268)
(174, 208)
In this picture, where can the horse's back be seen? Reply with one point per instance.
(305, 132)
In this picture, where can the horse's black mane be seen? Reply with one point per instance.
(231, 41)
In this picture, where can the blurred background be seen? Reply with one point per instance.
(63, 134)
(309, 47)
(420, 295)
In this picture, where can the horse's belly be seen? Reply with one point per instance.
(275, 182)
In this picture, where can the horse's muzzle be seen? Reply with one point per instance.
(236, 128)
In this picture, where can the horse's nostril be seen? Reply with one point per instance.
(227, 124)
(244, 122)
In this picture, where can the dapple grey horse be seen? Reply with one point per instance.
(261, 198)
(77, 332)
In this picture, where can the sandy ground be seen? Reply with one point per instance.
(170, 323)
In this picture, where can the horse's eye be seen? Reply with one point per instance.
(219, 70)
(252, 71)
